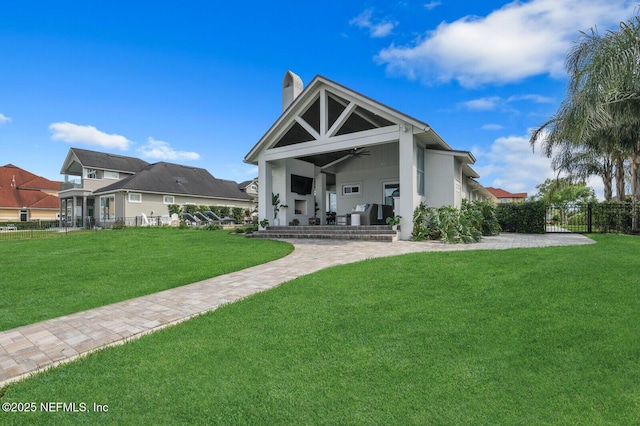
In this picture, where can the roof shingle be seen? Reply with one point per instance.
(169, 178)
(20, 188)
(105, 161)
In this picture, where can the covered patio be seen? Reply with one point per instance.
(355, 152)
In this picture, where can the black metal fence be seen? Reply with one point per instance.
(16, 230)
(19, 230)
(606, 217)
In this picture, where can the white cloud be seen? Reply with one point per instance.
(519, 40)
(4, 119)
(483, 104)
(492, 103)
(492, 126)
(432, 5)
(88, 135)
(538, 99)
(376, 30)
(511, 165)
(160, 150)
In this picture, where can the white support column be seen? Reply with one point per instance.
(84, 211)
(321, 197)
(74, 214)
(407, 176)
(265, 189)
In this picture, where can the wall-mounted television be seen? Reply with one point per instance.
(301, 184)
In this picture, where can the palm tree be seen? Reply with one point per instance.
(605, 75)
(601, 113)
(577, 160)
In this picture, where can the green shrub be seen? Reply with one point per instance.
(250, 229)
(174, 208)
(221, 211)
(118, 224)
(527, 217)
(190, 208)
(238, 214)
(611, 216)
(447, 224)
(483, 213)
(578, 219)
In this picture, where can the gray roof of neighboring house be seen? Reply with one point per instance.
(168, 178)
(101, 160)
(243, 185)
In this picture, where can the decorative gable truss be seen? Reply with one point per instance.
(328, 127)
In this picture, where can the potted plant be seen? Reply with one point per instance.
(264, 223)
(394, 222)
(275, 202)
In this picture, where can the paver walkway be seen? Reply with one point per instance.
(34, 347)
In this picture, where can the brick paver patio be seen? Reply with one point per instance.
(32, 348)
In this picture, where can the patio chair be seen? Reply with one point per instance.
(215, 217)
(374, 214)
(187, 217)
(201, 217)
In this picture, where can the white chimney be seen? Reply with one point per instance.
(291, 88)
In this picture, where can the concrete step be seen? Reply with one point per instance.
(363, 233)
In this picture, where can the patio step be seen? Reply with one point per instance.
(331, 232)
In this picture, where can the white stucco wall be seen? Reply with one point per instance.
(440, 179)
(281, 184)
(368, 171)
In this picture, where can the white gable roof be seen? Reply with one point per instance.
(366, 106)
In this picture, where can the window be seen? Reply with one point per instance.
(333, 201)
(92, 174)
(168, 199)
(111, 175)
(391, 191)
(350, 190)
(107, 207)
(135, 197)
(420, 171)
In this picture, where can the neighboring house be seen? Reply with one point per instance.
(25, 196)
(354, 151)
(250, 187)
(118, 187)
(502, 196)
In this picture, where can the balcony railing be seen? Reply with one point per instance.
(70, 185)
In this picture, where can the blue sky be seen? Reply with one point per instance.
(199, 82)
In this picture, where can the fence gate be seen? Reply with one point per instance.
(569, 218)
(592, 217)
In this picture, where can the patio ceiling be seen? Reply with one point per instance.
(322, 160)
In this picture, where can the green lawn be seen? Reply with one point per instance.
(47, 278)
(525, 336)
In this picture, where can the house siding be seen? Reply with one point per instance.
(440, 179)
(370, 172)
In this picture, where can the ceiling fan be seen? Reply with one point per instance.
(354, 152)
(357, 152)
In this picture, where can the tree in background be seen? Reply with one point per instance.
(596, 129)
(561, 192)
